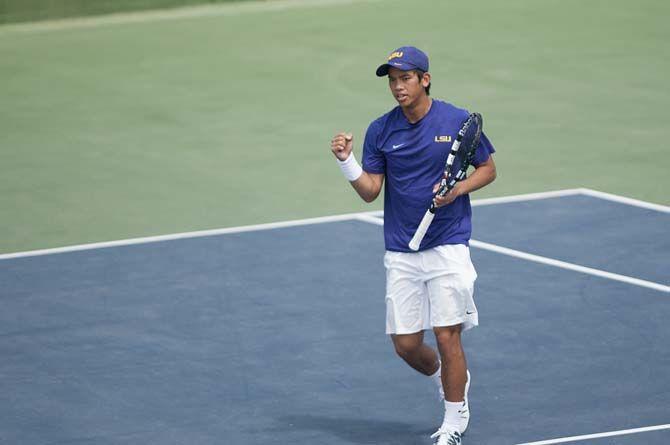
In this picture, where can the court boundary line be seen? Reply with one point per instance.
(526, 197)
(599, 435)
(625, 200)
(187, 235)
(569, 266)
(319, 220)
(548, 261)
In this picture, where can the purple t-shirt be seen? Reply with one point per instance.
(412, 157)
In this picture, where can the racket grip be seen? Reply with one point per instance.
(421, 230)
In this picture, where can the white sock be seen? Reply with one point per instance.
(452, 416)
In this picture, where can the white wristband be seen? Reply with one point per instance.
(350, 168)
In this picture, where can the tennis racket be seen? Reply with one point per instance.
(459, 159)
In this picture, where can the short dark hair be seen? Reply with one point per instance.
(420, 74)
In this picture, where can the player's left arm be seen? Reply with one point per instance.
(484, 174)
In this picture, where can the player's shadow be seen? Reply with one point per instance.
(358, 430)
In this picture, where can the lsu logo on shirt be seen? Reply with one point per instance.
(395, 55)
(442, 138)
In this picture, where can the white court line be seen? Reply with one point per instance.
(189, 12)
(572, 192)
(184, 235)
(371, 219)
(569, 266)
(527, 197)
(548, 261)
(624, 200)
(335, 218)
(276, 225)
(598, 435)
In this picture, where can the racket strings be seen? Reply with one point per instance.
(461, 154)
(472, 131)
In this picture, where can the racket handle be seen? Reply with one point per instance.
(421, 230)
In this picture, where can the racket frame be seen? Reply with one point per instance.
(449, 180)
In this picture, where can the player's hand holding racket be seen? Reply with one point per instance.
(449, 197)
(459, 159)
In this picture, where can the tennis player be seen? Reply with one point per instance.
(432, 288)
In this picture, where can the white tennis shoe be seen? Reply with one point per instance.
(445, 437)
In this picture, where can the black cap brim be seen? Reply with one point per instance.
(383, 70)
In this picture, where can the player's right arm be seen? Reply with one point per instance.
(367, 185)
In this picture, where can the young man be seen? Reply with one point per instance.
(431, 288)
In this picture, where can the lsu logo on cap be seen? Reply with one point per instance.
(442, 138)
(395, 55)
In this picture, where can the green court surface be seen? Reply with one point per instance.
(157, 124)
(12, 11)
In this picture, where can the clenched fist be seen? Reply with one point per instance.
(341, 145)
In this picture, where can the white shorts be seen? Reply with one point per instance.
(430, 288)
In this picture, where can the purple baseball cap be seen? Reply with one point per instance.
(404, 58)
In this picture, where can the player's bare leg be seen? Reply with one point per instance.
(454, 365)
(454, 381)
(417, 354)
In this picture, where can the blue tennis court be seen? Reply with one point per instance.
(275, 334)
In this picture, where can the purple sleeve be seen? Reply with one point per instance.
(483, 152)
(373, 158)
